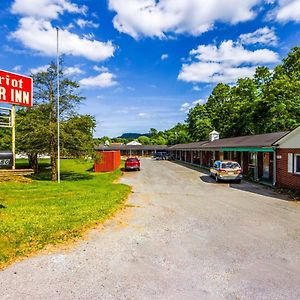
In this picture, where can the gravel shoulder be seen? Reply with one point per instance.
(182, 236)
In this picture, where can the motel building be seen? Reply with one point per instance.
(270, 158)
(133, 149)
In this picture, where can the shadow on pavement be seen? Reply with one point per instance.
(259, 189)
(245, 186)
(128, 170)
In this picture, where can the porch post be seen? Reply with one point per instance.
(274, 168)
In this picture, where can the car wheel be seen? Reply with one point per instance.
(238, 181)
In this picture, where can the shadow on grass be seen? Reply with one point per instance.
(2, 206)
(23, 164)
(45, 175)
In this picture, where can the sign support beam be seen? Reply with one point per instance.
(13, 135)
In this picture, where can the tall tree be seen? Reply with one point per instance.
(42, 118)
(199, 123)
(217, 101)
(278, 108)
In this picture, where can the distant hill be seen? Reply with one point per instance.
(132, 135)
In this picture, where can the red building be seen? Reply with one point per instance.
(108, 161)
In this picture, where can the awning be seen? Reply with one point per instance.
(248, 149)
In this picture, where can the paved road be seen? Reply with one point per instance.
(182, 237)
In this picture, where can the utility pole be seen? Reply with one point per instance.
(58, 111)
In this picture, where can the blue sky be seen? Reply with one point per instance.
(145, 63)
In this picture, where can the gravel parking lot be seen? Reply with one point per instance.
(182, 236)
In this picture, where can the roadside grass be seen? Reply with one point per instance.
(37, 212)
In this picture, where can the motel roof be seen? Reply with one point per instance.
(259, 141)
(188, 146)
(241, 143)
(113, 147)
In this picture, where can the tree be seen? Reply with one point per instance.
(32, 133)
(37, 129)
(199, 123)
(217, 101)
(237, 113)
(144, 140)
(5, 138)
(178, 134)
(77, 136)
(153, 132)
(278, 108)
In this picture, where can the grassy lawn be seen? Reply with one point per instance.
(37, 213)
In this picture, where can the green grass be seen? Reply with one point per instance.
(40, 212)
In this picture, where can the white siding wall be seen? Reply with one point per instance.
(292, 141)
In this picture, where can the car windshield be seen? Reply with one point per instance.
(132, 159)
(230, 165)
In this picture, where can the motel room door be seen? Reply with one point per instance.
(266, 165)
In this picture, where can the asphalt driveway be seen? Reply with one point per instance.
(182, 236)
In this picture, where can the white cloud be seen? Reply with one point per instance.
(154, 18)
(70, 71)
(142, 114)
(102, 80)
(196, 88)
(185, 107)
(100, 69)
(164, 56)
(130, 88)
(47, 9)
(17, 68)
(288, 10)
(39, 69)
(233, 54)
(85, 23)
(39, 35)
(89, 36)
(225, 63)
(263, 35)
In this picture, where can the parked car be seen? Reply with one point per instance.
(226, 170)
(160, 156)
(132, 163)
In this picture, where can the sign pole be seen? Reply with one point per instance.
(58, 111)
(13, 135)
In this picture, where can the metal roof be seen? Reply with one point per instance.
(196, 145)
(259, 140)
(255, 141)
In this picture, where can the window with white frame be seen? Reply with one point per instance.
(294, 163)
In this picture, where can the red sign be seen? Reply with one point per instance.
(15, 89)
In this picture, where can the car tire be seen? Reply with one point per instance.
(238, 181)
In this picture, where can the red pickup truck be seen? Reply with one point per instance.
(132, 163)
